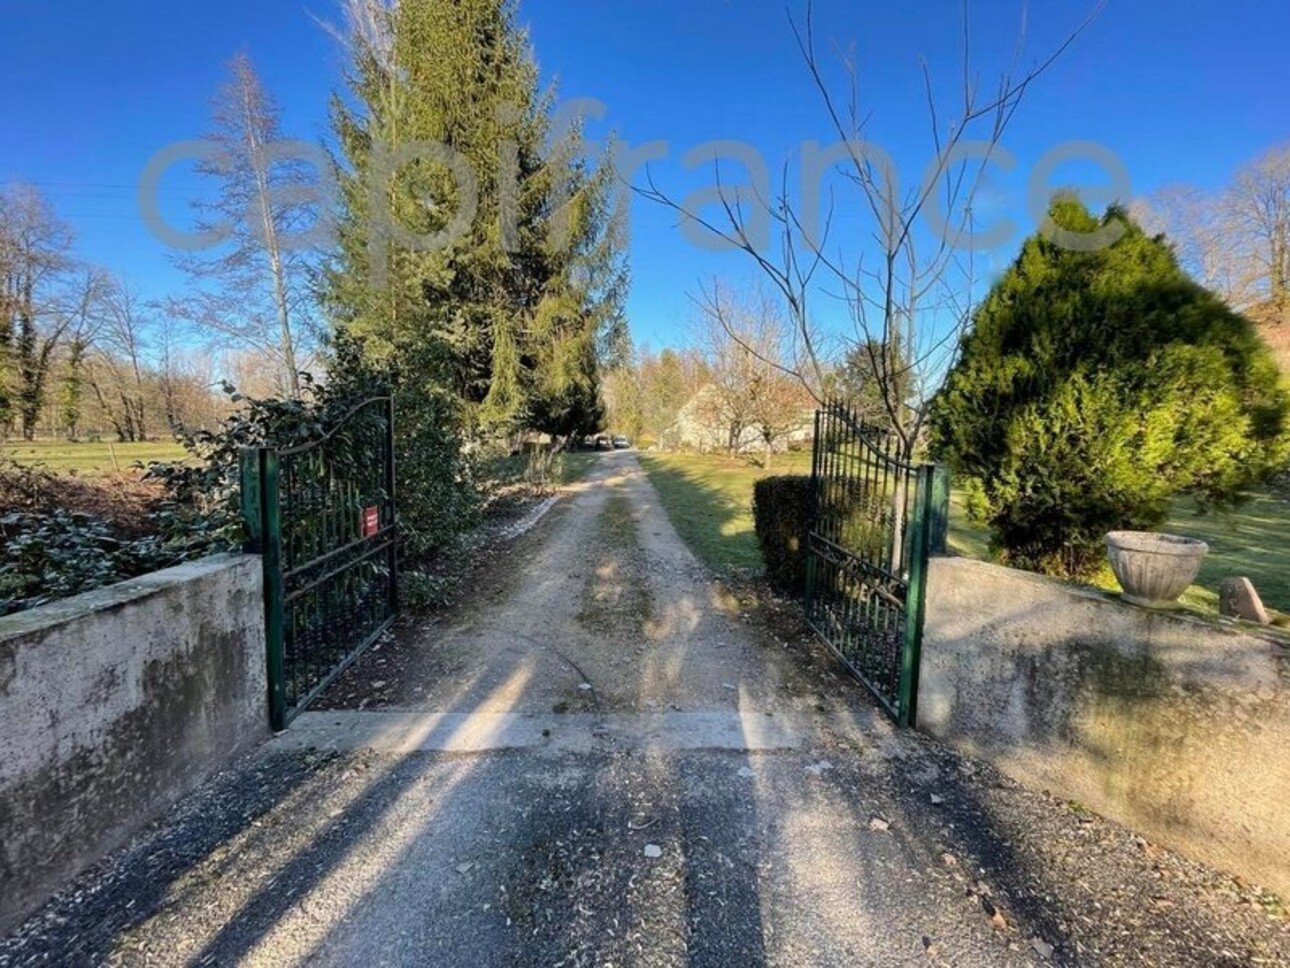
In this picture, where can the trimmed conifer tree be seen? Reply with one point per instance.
(1094, 387)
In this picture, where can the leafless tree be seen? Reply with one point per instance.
(119, 374)
(1199, 226)
(367, 30)
(723, 402)
(253, 292)
(1235, 241)
(1258, 203)
(37, 305)
(746, 341)
(901, 285)
(123, 365)
(180, 372)
(92, 290)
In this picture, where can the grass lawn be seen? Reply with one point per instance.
(1253, 540)
(61, 456)
(709, 499)
(966, 538)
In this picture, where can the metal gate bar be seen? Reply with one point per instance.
(875, 521)
(322, 516)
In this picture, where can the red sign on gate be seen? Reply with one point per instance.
(371, 521)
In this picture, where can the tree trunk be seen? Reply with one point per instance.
(277, 274)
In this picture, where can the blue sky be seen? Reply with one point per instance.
(1181, 92)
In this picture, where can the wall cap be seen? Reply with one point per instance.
(1227, 626)
(64, 610)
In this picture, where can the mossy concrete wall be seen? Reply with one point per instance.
(115, 703)
(1172, 725)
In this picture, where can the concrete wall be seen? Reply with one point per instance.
(115, 703)
(1176, 727)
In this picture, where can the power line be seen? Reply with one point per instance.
(82, 188)
(103, 215)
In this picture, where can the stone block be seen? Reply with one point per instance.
(1238, 598)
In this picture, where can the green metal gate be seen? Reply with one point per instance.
(322, 515)
(875, 521)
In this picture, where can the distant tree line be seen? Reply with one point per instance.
(81, 353)
(737, 379)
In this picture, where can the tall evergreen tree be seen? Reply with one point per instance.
(509, 313)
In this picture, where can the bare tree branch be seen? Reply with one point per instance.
(898, 292)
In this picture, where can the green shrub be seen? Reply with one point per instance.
(63, 536)
(1093, 387)
(423, 591)
(861, 521)
(438, 496)
(64, 553)
(782, 517)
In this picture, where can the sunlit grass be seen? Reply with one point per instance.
(709, 499)
(90, 459)
(966, 538)
(1253, 541)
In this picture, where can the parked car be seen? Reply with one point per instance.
(604, 443)
(621, 443)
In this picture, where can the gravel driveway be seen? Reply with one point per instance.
(597, 759)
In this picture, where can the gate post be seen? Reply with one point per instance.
(920, 537)
(263, 522)
(811, 515)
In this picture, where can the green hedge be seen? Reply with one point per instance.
(782, 516)
(782, 509)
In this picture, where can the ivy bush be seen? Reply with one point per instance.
(436, 494)
(64, 536)
(54, 550)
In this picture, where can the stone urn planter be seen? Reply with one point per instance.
(1154, 569)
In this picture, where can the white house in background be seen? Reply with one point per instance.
(705, 424)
